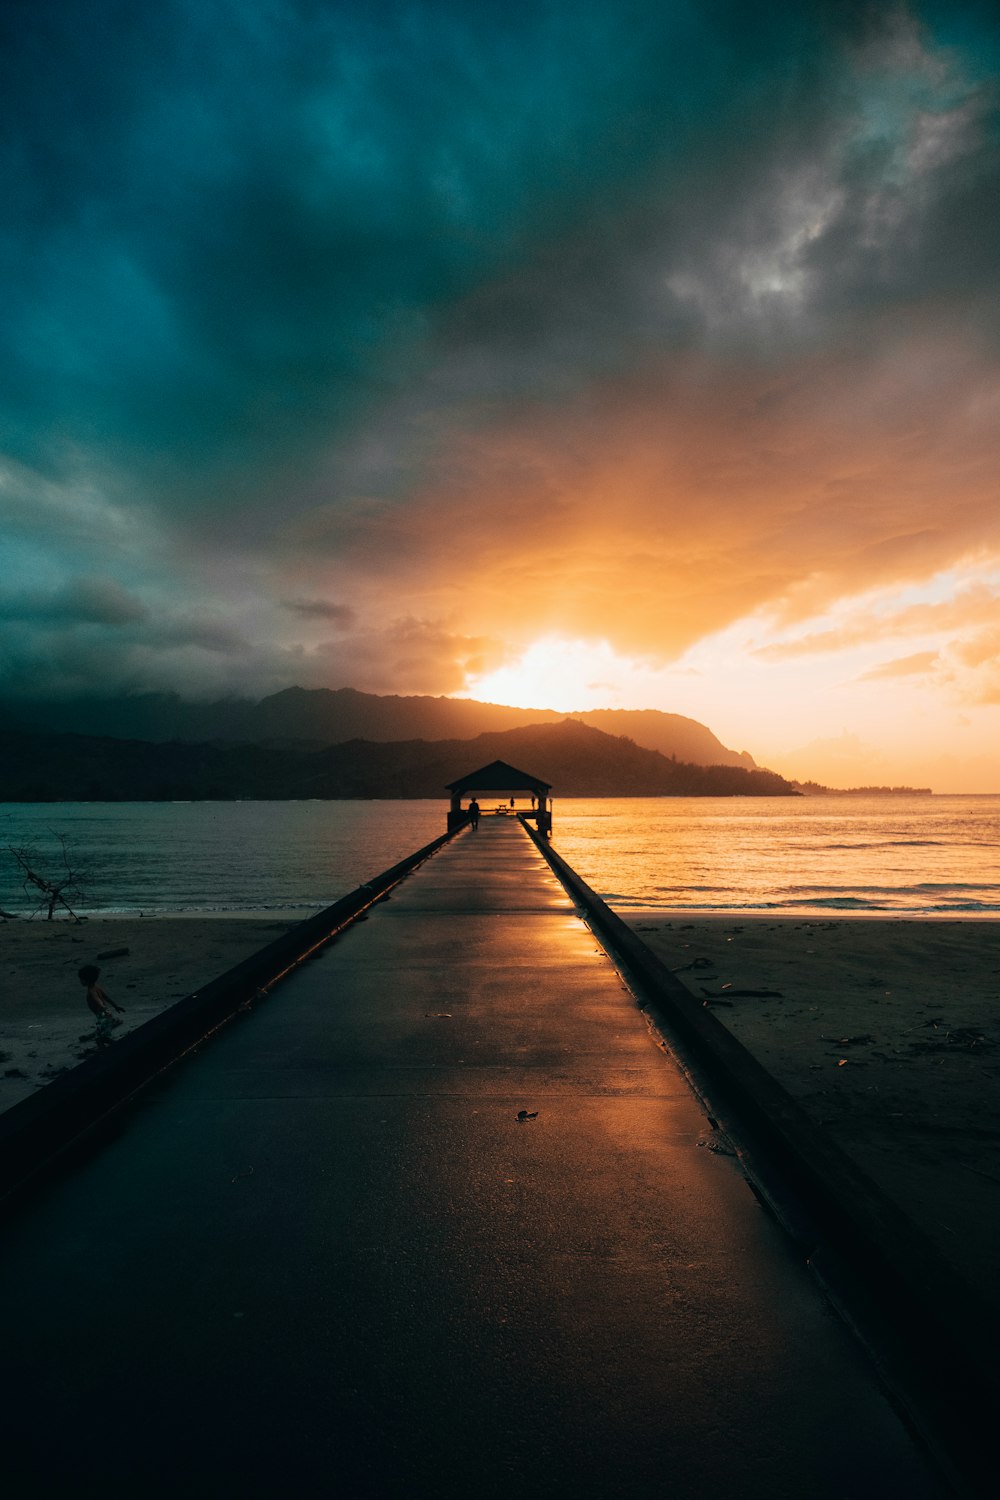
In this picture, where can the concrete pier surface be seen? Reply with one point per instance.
(325, 1256)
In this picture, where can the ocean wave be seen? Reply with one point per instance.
(918, 889)
(844, 905)
(840, 903)
(694, 889)
(983, 906)
(888, 844)
(954, 885)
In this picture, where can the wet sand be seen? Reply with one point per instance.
(886, 1031)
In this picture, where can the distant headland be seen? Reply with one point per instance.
(814, 789)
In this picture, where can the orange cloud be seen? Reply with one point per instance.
(982, 648)
(903, 666)
(980, 655)
(967, 609)
(654, 511)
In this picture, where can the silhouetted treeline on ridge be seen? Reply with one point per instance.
(816, 789)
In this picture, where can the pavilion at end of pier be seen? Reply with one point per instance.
(501, 779)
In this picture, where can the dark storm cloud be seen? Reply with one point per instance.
(92, 601)
(321, 609)
(406, 655)
(855, 179)
(292, 289)
(233, 230)
(230, 227)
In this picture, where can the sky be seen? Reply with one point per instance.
(569, 353)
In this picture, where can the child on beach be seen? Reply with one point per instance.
(101, 1003)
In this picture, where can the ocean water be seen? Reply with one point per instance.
(173, 857)
(931, 856)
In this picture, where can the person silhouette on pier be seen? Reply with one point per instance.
(474, 814)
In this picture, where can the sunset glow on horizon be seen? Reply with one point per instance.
(557, 356)
(902, 663)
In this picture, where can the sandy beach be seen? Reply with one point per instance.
(45, 1026)
(886, 1031)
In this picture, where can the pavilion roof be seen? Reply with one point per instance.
(498, 776)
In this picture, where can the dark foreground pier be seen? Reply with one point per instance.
(327, 1254)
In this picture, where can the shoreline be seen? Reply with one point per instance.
(287, 914)
(884, 1028)
(631, 913)
(628, 911)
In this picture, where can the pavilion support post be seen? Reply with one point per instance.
(456, 813)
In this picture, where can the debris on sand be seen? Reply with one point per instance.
(954, 1039)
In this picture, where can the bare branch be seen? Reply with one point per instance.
(49, 891)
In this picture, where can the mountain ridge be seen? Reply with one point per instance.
(577, 759)
(329, 716)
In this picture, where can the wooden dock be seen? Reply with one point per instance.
(438, 1218)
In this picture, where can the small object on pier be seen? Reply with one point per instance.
(527, 1114)
(718, 1148)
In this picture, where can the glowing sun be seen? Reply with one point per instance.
(560, 674)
